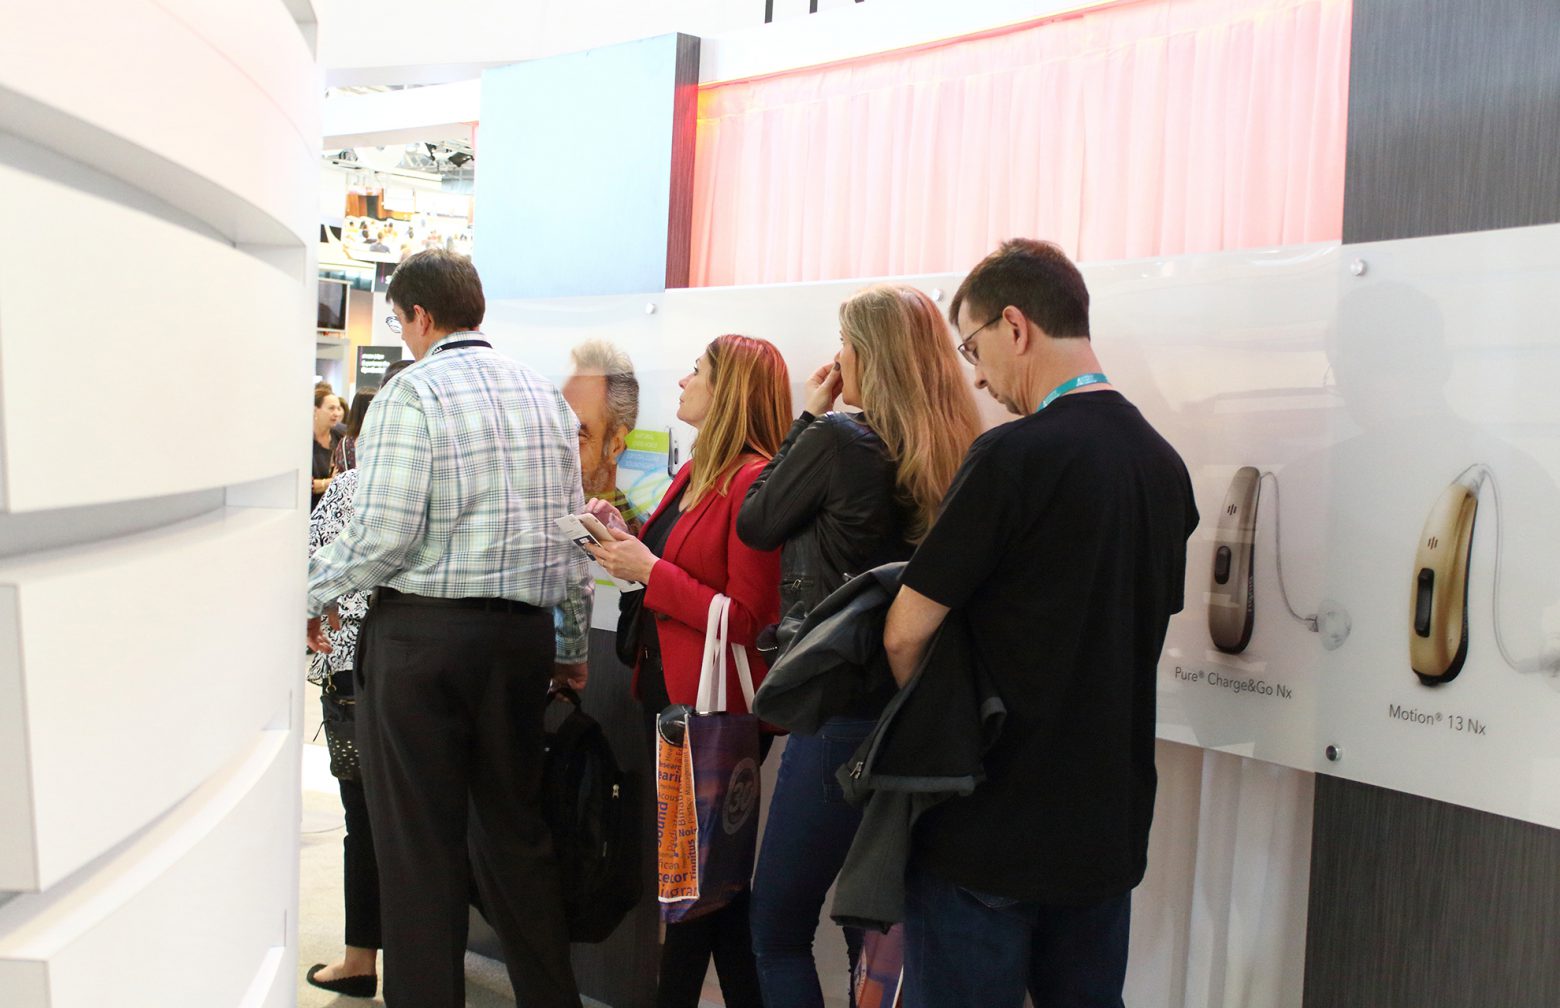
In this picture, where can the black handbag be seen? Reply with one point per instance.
(340, 724)
(631, 607)
(592, 808)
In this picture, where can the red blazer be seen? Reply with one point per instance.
(704, 557)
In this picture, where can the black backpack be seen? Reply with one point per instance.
(594, 817)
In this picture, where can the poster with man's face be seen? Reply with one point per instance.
(604, 394)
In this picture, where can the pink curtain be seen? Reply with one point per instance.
(1155, 127)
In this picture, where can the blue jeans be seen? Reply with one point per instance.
(809, 832)
(968, 948)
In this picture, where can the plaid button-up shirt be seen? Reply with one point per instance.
(466, 458)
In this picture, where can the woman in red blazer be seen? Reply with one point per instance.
(738, 399)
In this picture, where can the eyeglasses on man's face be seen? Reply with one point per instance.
(394, 324)
(967, 350)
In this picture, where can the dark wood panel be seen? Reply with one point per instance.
(685, 119)
(1419, 903)
(1454, 117)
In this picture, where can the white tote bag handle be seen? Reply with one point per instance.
(744, 675)
(712, 668)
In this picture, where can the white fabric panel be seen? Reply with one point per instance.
(188, 913)
(1158, 962)
(1220, 920)
(175, 326)
(127, 713)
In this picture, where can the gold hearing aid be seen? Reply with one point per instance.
(1231, 594)
(1438, 638)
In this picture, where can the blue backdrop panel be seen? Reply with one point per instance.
(574, 171)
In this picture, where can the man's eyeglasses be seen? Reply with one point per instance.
(394, 324)
(967, 351)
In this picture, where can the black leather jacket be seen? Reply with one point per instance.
(827, 500)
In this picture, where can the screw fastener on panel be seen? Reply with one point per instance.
(1358, 267)
(1333, 753)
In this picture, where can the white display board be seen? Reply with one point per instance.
(1394, 405)
(1333, 397)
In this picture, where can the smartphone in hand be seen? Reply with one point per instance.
(587, 530)
(598, 532)
(574, 527)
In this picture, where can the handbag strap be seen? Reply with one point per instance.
(712, 666)
(744, 674)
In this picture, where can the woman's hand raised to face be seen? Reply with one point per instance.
(625, 557)
(823, 388)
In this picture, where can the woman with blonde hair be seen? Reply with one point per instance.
(738, 398)
(845, 493)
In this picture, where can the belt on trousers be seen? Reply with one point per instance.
(387, 594)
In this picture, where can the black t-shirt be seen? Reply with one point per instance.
(1063, 538)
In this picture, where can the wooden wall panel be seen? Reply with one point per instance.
(1416, 902)
(685, 121)
(1454, 112)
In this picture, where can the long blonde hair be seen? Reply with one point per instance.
(914, 393)
(750, 410)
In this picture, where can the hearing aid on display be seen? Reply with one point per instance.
(1231, 594)
(1438, 637)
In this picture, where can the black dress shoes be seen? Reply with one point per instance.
(363, 986)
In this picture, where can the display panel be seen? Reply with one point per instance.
(1375, 444)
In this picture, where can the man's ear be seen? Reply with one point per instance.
(1018, 328)
(618, 443)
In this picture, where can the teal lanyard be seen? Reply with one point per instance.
(1093, 378)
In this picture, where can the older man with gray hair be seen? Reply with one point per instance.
(604, 394)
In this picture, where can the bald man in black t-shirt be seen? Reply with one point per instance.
(1063, 539)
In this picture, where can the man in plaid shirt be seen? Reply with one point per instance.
(466, 459)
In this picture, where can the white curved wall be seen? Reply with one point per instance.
(159, 160)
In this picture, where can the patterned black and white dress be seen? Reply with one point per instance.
(326, 521)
